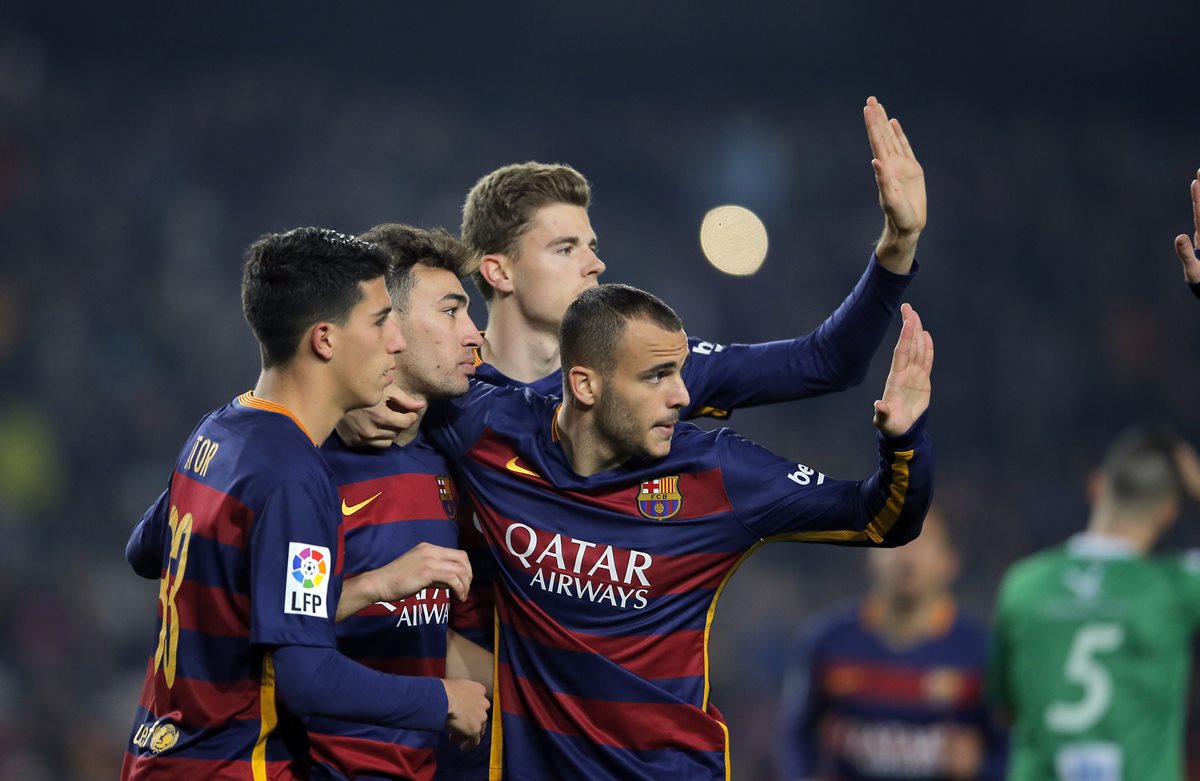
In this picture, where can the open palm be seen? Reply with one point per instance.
(900, 178)
(906, 392)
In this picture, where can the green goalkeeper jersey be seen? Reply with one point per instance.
(1090, 657)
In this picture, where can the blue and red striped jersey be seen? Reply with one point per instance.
(858, 709)
(608, 583)
(246, 542)
(392, 500)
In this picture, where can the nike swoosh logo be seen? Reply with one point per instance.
(352, 509)
(513, 466)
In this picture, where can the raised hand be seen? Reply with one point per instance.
(906, 392)
(1187, 248)
(901, 183)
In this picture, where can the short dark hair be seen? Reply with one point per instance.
(501, 205)
(1141, 470)
(293, 280)
(407, 246)
(590, 331)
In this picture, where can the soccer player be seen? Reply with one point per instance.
(245, 540)
(530, 224)
(402, 502)
(1092, 641)
(891, 686)
(614, 528)
(1187, 249)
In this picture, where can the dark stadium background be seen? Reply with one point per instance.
(143, 145)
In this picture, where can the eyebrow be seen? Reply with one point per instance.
(663, 366)
(384, 311)
(458, 298)
(571, 240)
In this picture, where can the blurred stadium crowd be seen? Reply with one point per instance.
(1047, 278)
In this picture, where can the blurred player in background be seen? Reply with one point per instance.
(614, 528)
(1187, 249)
(401, 502)
(891, 687)
(1092, 643)
(245, 540)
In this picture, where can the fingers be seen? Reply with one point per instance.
(1187, 256)
(881, 131)
(449, 567)
(902, 354)
(878, 131)
(905, 146)
(1196, 207)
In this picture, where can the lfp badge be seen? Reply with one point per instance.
(660, 498)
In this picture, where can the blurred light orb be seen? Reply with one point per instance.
(734, 240)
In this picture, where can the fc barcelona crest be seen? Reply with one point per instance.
(660, 498)
(446, 494)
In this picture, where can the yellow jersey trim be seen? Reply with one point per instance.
(248, 399)
(878, 526)
(496, 757)
(267, 718)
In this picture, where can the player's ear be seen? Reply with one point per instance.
(496, 268)
(584, 384)
(321, 338)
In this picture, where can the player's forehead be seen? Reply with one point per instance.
(431, 284)
(645, 343)
(375, 296)
(558, 220)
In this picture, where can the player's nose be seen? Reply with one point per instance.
(594, 264)
(395, 337)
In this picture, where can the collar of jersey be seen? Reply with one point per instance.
(1099, 546)
(248, 399)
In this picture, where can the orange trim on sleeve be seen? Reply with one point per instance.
(248, 399)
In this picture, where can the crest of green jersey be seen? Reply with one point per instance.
(1091, 654)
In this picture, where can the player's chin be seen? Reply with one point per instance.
(658, 445)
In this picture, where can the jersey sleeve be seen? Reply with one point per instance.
(323, 682)
(800, 709)
(293, 554)
(777, 499)
(453, 425)
(834, 357)
(148, 541)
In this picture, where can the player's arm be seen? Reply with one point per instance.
(777, 499)
(465, 659)
(144, 551)
(292, 548)
(800, 710)
(320, 681)
(838, 353)
(422, 566)
(1187, 249)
